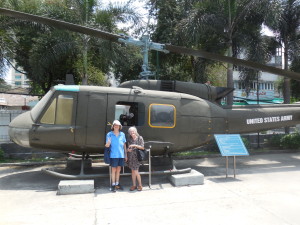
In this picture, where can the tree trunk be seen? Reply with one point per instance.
(229, 53)
(230, 78)
(287, 83)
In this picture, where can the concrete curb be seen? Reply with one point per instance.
(251, 152)
(175, 157)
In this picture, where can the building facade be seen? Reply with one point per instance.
(266, 86)
(18, 79)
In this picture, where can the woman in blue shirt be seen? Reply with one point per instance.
(115, 139)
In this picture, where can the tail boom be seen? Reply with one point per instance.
(246, 119)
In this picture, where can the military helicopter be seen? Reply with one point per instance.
(173, 116)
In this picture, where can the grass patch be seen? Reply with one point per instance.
(28, 160)
(10, 161)
(195, 153)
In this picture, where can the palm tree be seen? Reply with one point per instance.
(47, 56)
(285, 24)
(89, 13)
(222, 26)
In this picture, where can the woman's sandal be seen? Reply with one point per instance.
(139, 188)
(132, 188)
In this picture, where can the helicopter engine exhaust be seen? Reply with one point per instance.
(203, 91)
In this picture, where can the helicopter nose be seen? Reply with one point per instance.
(19, 129)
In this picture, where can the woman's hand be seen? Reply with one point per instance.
(108, 143)
(129, 149)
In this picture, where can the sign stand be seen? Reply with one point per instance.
(231, 145)
(234, 167)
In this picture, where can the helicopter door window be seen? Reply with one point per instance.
(162, 116)
(128, 113)
(60, 111)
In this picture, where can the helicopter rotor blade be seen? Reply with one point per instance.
(235, 61)
(175, 49)
(61, 24)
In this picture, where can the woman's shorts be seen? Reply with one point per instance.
(114, 162)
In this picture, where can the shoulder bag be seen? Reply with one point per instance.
(107, 155)
(142, 155)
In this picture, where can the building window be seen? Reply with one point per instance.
(278, 52)
(18, 83)
(18, 77)
(235, 85)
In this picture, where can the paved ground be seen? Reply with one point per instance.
(265, 191)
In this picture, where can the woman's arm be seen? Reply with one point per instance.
(108, 140)
(140, 143)
(125, 151)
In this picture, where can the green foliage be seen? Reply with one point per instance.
(287, 141)
(295, 85)
(193, 153)
(246, 143)
(47, 54)
(294, 99)
(236, 25)
(285, 23)
(290, 141)
(3, 86)
(212, 146)
(274, 141)
(1, 154)
(217, 75)
(95, 75)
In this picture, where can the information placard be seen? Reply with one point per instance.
(231, 144)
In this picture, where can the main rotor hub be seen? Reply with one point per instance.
(146, 46)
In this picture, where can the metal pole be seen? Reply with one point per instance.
(234, 166)
(226, 166)
(257, 98)
(109, 176)
(82, 164)
(150, 166)
(157, 65)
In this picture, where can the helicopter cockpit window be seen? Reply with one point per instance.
(60, 111)
(162, 116)
(130, 113)
(35, 112)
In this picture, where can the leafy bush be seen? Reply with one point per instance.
(246, 143)
(212, 146)
(1, 154)
(275, 140)
(291, 141)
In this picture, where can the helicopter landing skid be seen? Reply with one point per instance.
(52, 172)
(86, 156)
(82, 175)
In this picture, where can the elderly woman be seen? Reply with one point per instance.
(135, 141)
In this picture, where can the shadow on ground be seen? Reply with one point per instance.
(255, 164)
(214, 169)
(33, 178)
